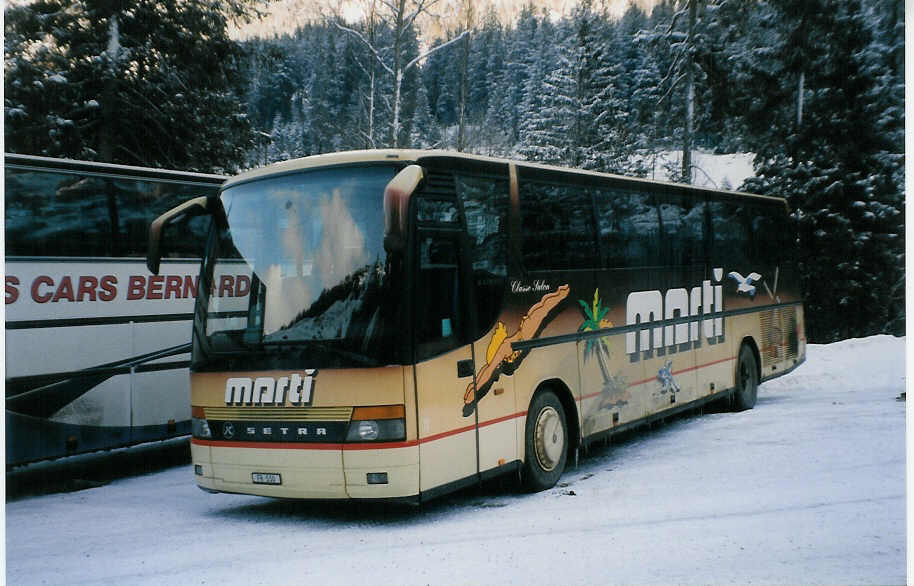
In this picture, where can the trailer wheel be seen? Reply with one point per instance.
(546, 442)
(746, 380)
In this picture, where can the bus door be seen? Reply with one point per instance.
(444, 362)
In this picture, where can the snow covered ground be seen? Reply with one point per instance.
(715, 171)
(809, 487)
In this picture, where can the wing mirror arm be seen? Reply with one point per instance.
(194, 207)
(396, 206)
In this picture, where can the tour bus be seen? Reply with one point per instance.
(96, 349)
(418, 321)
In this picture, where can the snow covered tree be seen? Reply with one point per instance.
(820, 143)
(328, 96)
(682, 42)
(399, 57)
(520, 54)
(486, 62)
(548, 107)
(423, 126)
(152, 83)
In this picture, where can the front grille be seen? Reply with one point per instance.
(242, 413)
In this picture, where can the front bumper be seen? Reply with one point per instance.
(325, 472)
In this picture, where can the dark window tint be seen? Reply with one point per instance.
(438, 299)
(629, 228)
(485, 204)
(748, 233)
(731, 229)
(557, 226)
(65, 214)
(682, 220)
(772, 233)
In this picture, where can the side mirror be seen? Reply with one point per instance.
(194, 207)
(396, 206)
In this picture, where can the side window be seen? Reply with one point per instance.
(557, 227)
(732, 230)
(682, 221)
(438, 296)
(485, 204)
(66, 214)
(58, 214)
(629, 228)
(771, 233)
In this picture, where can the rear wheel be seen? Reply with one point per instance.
(746, 380)
(546, 442)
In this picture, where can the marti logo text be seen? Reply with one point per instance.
(266, 390)
(705, 301)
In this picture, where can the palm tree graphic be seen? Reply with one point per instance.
(596, 320)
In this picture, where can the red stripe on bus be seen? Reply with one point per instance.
(379, 446)
(501, 419)
(444, 434)
(653, 378)
(353, 446)
(467, 428)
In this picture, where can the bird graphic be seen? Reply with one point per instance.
(744, 284)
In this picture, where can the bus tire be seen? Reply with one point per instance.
(546, 442)
(746, 380)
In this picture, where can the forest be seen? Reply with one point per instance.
(815, 89)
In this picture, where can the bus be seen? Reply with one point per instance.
(96, 349)
(418, 321)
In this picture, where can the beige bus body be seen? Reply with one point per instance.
(608, 375)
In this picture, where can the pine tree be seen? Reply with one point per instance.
(423, 124)
(823, 149)
(617, 133)
(679, 42)
(547, 116)
(153, 83)
(521, 52)
(327, 95)
(495, 134)
(486, 62)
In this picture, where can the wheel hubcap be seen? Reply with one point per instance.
(549, 439)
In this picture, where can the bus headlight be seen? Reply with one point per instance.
(200, 428)
(368, 430)
(377, 424)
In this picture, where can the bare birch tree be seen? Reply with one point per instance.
(400, 16)
(682, 72)
(468, 18)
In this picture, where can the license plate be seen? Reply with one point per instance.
(265, 478)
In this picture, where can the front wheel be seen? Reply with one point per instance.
(546, 442)
(746, 380)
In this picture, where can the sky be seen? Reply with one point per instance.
(285, 15)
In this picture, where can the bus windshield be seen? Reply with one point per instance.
(300, 272)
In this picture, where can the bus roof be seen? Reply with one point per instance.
(34, 162)
(417, 156)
